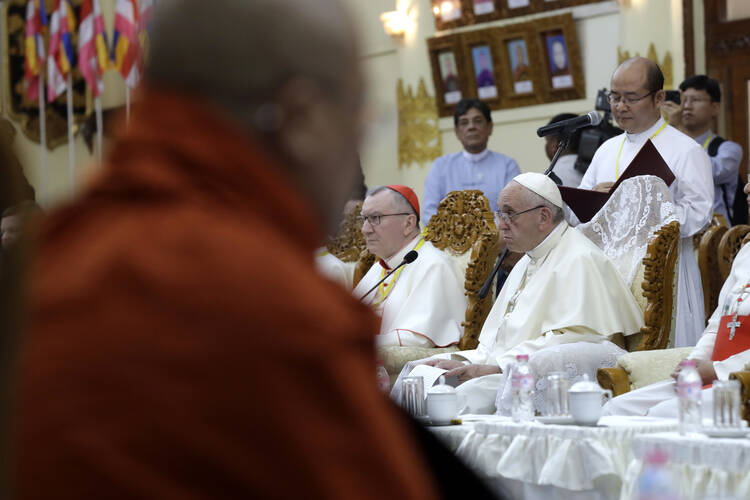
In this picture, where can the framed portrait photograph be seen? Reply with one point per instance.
(449, 76)
(449, 14)
(484, 72)
(448, 71)
(559, 51)
(558, 60)
(520, 69)
(483, 7)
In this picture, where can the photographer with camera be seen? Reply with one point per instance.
(692, 110)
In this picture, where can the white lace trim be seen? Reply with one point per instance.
(625, 225)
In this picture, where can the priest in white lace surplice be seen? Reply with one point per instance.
(636, 96)
(423, 303)
(563, 290)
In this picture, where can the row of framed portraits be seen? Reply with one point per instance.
(516, 65)
(453, 13)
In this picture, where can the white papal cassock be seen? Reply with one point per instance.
(565, 290)
(659, 399)
(335, 269)
(693, 194)
(423, 303)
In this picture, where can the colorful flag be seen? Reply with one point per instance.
(146, 15)
(126, 51)
(61, 57)
(93, 59)
(36, 19)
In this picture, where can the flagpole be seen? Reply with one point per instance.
(99, 125)
(43, 139)
(127, 104)
(71, 144)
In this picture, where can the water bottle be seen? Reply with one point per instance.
(522, 383)
(655, 482)
(689, 385)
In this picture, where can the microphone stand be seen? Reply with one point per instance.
(403, 263)
(488, 284)
(564, 139)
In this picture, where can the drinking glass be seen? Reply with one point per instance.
(727, 408)
(557, 394)
(412, 396)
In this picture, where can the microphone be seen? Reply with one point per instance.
(592, 118)
(487, 284)
(408, 259)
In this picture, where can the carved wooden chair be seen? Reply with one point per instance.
(657, 299)
(657, 290)
(348, 244)
(729, 246)
(464, 228)
(708, 262)
(716, 220)
(339, 260)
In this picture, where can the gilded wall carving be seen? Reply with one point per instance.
(419, 139)
(665, 64)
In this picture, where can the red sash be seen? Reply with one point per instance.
(723, 347)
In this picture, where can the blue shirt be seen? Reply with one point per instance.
(487, 171)
(726, 167)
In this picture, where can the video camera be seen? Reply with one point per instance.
(593, 137)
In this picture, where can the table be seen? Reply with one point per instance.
(701, 467)
(534, 460)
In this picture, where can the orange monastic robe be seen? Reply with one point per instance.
(182, 345)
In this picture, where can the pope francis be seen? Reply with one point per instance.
(563, 290)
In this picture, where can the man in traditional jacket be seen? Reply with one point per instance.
(723, 348)
(563, 290)
(181, 343)
(476, 167)
(636, 96)
(421, 303)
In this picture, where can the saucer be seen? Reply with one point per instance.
(725, 432)
(556, 419)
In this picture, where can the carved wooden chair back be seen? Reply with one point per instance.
(348, 243)
(659, 269)
(745, 240)
(729, 246)
(464, 228)
(716, 220)
(708, 262)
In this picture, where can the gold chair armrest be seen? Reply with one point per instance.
(615, 379)
(744, 378)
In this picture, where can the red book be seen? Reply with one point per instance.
(585, 203)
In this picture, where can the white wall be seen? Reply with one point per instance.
(601, 29)
(386, 60)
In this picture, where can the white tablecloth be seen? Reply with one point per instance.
(550, 461)
(700, 467)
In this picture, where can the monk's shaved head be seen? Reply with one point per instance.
(239, 52)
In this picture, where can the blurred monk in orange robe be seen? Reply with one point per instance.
(181, 343)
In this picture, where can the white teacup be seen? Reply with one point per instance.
(586, 399)
(442, 404)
